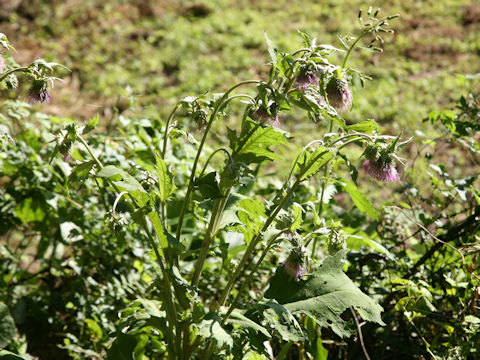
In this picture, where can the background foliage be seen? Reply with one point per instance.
(71, 270)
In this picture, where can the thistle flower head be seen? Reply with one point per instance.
(306, 79)
(262, 116)
(38, 92)
(383, 172)
(294, 266)
(339, 94)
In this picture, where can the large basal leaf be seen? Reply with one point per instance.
(312, 162)
(210, 328)
(237, 318)
(324, 296)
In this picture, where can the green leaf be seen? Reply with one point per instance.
(81, 171)
(252, 215)
(367, 127)
(8, 331)
(362, 203)
(208, 186)
(238, 318)
(255, 142)
(312, 162)
(122, 348)
(324, 296)
(129, 183)
(210, 328)
(165, 180)
(92, 124)
(30, 210)
(253, 355)
(7, 355)
(112, 172)
(272, 50)
(167, 242)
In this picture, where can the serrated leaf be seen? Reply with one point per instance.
(129, 183)
(165, 180)
(81, 171)
(367, 127)
(324, 296)
(92, 124)
(252, 215)
(257, 143)
(312, 162)
(208, 186)
(362, 203)
(210, 328)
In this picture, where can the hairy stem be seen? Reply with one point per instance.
(219, 103)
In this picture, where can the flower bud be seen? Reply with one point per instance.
(339, 94)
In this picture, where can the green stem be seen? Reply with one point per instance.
(11, 71)
(324, 184)
(165, 136)
(364, 32)
(250, 276)
(223, 100)
(254, 242)
(270, 219)
(168, 298)
(89, 150)
(211, 156)
(217, 211)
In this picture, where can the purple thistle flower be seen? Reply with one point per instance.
(262, 116)
(305, 80)
(294, 266)
(339, 94)
(38, 92)
(386, 173)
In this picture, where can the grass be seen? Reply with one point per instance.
(170, 49)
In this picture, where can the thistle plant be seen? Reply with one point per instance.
(190, 213)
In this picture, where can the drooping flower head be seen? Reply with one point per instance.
(339, 94)
(385, 173)
(38, 92)
(294, 266)
(380, 163)
(262, 116)
(306, 79)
